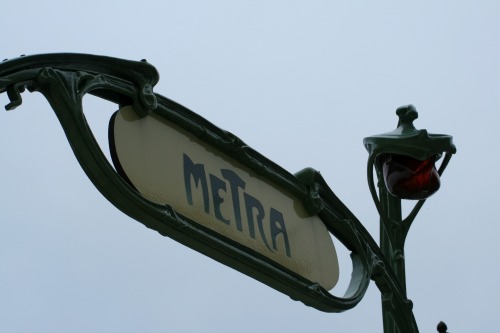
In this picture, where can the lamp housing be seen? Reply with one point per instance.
(405, 157)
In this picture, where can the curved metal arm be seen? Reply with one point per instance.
(65, 78)
(356, 238)
(404, 224)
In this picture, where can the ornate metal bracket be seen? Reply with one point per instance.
(65, 78)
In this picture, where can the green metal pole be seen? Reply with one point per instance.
(409, 144)
(392, 245)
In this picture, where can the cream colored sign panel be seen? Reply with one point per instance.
(168, 165)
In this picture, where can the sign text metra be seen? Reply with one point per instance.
(216, 194)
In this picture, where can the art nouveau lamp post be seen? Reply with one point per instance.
(404, 161)
(274, 223)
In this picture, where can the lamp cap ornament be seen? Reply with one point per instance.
(407, 140)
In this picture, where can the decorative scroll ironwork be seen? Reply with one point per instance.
(64, 79)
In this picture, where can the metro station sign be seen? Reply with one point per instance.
(180, 175)
(168, 165)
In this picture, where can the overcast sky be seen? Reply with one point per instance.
(302, 83)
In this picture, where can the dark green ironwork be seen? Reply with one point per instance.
(64, 79)
(407, 140)
(418, 144)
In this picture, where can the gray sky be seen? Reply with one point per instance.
(302, 83)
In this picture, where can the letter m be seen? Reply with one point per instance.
(195, 172)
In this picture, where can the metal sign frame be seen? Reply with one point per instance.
(65, 78)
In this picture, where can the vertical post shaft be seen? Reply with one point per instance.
(392, 245)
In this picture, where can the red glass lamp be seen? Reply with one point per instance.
(405, 158)
(408, 178)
